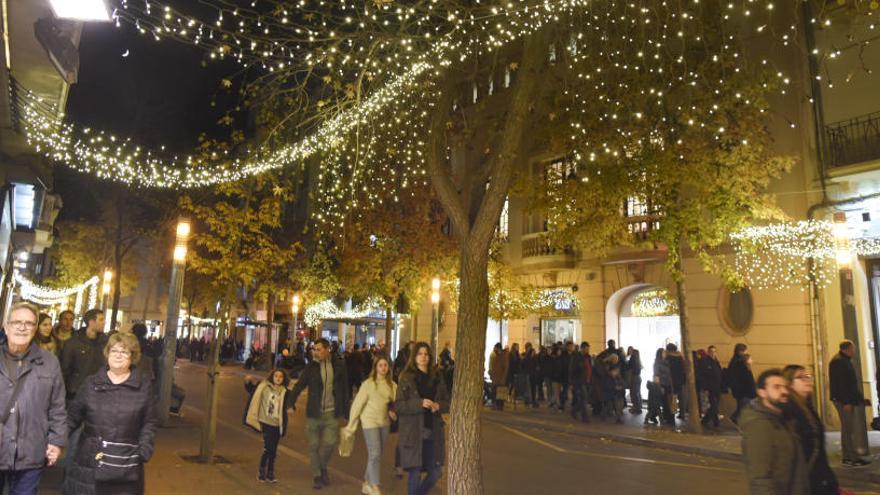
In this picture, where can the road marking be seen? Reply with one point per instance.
(301, 458)
(616, 457)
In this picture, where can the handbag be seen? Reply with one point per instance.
(117, 461)
(395, 423)
(346, 442)
(502, 392)
(10, 404)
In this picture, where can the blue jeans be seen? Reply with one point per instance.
(418, 486)
(375, 438)
(22, 482)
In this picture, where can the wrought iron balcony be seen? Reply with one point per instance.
(534, 245)
(852, 141)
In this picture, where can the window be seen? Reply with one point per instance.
(24, 201)
(559, 170)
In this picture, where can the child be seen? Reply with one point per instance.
(655, 401)
(267, 414)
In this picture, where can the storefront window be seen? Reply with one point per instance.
(559, 330)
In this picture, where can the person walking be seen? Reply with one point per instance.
(421, 399)
(740, 379)
(64, 328)
(373, 409)
(118, 410)
(710, 379)
(846, 394)
(663, 378)
(809, 429)
(532, 370)
(634, 364)
(498, 370)
(772, 452)
(33, 420)
(580, 378)
(325, 377)
(45, 337)
(83, 355)
(267, 413)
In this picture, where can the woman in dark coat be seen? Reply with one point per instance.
(740, 379)
(809, 429)
(663, 377)
(421, 399)
(116, 406)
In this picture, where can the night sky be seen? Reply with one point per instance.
(161, 93)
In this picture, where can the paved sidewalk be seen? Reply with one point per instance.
(172, 469)
(724, 444)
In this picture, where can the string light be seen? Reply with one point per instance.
(48, 296)
(655, 302)
(777, 255)
(327, 310)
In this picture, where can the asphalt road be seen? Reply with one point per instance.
(514, 460)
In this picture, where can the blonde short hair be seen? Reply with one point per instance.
(128, 341)
(25, 305)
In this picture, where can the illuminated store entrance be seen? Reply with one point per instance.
(646, 318)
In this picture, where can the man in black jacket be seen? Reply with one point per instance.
(83, 354)
(710, 378)
(849, 401)
(328, 398)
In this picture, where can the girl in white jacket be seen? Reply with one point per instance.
(373, 408)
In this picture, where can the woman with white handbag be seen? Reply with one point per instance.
(373, 408)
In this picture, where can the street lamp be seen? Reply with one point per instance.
(435, 317)
(178, 266)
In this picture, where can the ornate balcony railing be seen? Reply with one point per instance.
(534, 245)
(853, 141)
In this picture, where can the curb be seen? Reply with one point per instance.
(627, 439)
(848, 474)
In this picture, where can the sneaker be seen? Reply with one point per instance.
(271, 479)
(317, 484)
(366, 488)
(325, 478)
(261, 477)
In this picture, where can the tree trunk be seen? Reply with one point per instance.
(694, 424)
(209, 430)
(463, 448)
(389, 326)
(266, 360)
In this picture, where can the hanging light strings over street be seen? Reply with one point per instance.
(48, 296)
(791, 255)
(387, 129)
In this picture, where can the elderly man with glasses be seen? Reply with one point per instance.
(33, 428)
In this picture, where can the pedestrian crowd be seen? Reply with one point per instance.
(76, 400)
(408, 397)
(782, 434)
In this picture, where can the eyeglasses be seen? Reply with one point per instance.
(121, 352)
(19, 324)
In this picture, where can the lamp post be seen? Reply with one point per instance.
(295, 309)
(435, 317)
(105, 292)
(169, 352)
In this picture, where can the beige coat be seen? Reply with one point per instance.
(253, 413)
(370, 405)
